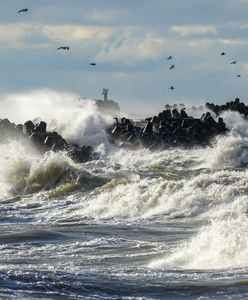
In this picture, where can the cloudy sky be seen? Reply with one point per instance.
(129, 40)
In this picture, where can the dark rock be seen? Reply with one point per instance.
(40, 127)
(235, 105)
(36, 138)
(175, 113)
(44, 141)
(170, 128)
(148, 128)
(49, 141)
(155, 120)
(19, 127)
(28, 128)
(60, 145)
(81, 154)
(183, 114)
(116, 132)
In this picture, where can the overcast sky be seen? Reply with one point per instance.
(129, 40)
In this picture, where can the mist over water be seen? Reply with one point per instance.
(172, 217)
(77, 120)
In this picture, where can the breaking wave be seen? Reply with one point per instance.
(205, 184)
(25, 171)
(223, 244)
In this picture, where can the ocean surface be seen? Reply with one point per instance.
(133, 224)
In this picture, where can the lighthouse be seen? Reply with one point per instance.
(105, 94)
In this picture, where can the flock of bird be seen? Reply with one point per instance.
(173, 67)
(23, 10)
(168, 58)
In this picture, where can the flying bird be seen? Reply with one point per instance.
(22, 10)
(92, 64)
(169, 57)
(233, 62)
(223, 53)
(239, 75)
(172, 67)
(63, 48)
(172, 88)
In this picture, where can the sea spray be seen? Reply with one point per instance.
(76, 120)
(230, 150)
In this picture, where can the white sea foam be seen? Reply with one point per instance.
(133, 196)
(222, 244)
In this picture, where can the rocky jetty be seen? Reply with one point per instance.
(171, 127)
(235, 105)
(42, 139)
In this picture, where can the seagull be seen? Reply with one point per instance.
(172, 88)
(223, 53)
(239, 75)
(233, 62)
(172, 67)
(22, 10)
(92, 64)
(169, 57)
(63, 48)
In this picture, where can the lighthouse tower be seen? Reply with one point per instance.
(105, 94)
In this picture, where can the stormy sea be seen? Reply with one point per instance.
(132, 224)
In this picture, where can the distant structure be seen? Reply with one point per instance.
(108, 106)
(105, 94)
